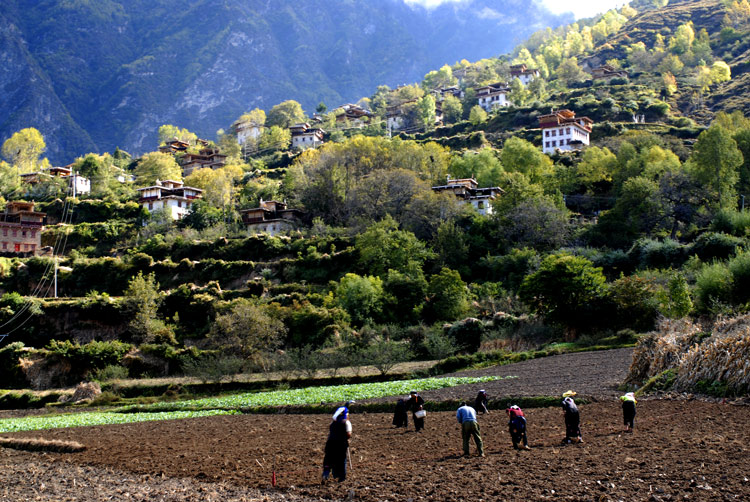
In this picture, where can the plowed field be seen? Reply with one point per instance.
(681, 450)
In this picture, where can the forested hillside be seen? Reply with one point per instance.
(589, 246)
(94, 75)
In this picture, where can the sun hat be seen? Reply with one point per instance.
(569, 393)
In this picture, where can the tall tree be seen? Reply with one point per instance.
(715, 162)
(156, 166)
(24, 148)
(285, 114)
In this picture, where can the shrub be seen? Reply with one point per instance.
(635, 303)
(713, 287)
(111, 372)
(212, 367)
(10, 370)
(93, 355)
(739, 266)
(467, 335)
(716, 246)
(650, 253)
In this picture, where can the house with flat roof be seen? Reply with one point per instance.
(21, 229)
(79, 185)
(271, 217)
(524, 74)
(468, 192)
(493, 96)
(305, 136)
(607, 72)
(169, 195)
(208, 157)
(563, 131)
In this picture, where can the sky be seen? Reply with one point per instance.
(579, 8)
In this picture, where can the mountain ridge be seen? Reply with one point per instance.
(117, 70)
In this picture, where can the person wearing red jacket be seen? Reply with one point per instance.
(517, 427)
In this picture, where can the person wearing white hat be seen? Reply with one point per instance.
(628, 410)
(337, 445)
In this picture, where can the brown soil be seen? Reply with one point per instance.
(681, 450)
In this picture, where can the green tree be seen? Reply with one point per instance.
(675, 302)
(477, 115)
(247, 329)
(683, 38)
(426, 111)
(142, 301)
(361, 297)
(452, 109)
(285, 114)
(519, 94)
(274, 138)
(321, 108)
(565, 289)
(168, 132)
(521, 156)
(99, 169)
(383, 247)
(10, 181)
(23, 150)
(440, 78)
(447, 297)
(570, 72)
(484, 166)
(156, 166)
(404, 294)
(715, 162)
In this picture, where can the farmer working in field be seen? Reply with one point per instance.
(415, 404)
(400, 418)
(628, 410)
(517, 427)
(337, 445)
(467, 417)
(480, 403)
(572, 419)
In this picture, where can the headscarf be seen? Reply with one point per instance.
(341, 414)
(629, 397)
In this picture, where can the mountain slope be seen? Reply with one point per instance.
(116, 70)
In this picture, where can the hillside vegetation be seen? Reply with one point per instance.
(590, 247)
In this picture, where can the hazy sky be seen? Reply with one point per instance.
(580, 8)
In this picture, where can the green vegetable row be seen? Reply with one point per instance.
(318, 395)
(97, 418)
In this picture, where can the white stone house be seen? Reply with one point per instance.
(468, 192)
(304, 136)
(493, 96)
(563, 131)
(525, 75)
(246, 131)
(169, 195)
(79, 185)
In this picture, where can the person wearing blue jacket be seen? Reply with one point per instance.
(467, 417)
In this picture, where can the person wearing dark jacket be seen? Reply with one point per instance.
(400, 417)
(572, 419)
(415, 404)
(337, 445)
(628, 410)
(480, 403)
